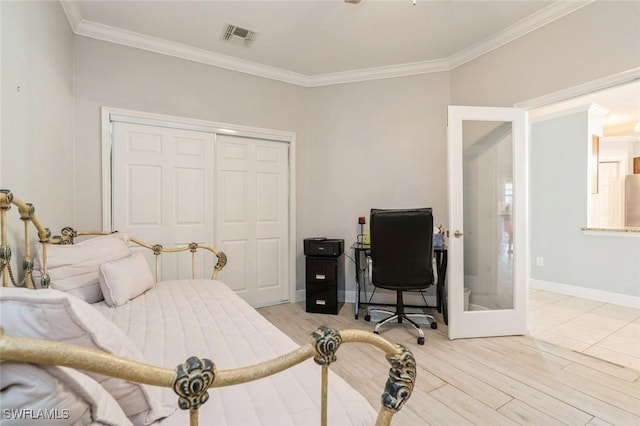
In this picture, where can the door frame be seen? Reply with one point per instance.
(110, 114)
(486, 323)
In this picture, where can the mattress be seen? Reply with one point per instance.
(204, 318)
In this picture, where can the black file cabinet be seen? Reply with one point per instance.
(325, 284)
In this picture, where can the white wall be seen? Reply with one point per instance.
(37, 119)
(121, 77)
(361, 145)
(558, 211)
(376, 144)
(598, 40)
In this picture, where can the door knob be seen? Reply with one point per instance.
(458, 234)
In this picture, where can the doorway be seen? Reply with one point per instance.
(608, 202)
(617, 98)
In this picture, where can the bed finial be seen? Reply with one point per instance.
(26, 214)
(191, 384)
(44, 235)
(6, 197)
(402, 377)
(327, 342)
(222, 260)
(68, 235)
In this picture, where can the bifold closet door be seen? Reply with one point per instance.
(162, 186)
(252, 217)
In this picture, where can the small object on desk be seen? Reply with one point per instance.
(361, 221)
(438, 240)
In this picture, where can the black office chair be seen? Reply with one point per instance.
(402, 260)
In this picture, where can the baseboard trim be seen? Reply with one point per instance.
(569, 290)
(350, 297)
(587, 293)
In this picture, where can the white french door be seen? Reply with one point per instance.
(162, 181)
(252, 217)
(488, 248)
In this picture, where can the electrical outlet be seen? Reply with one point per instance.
(539, 261)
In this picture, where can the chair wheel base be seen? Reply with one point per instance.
(421, 340)
(434, 325)
(367, 318)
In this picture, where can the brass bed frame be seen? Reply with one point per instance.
(190, 380)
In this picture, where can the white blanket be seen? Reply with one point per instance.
(203, 318)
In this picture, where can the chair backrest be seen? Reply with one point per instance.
(402, 248)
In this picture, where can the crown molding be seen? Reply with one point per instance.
(366, 74)
(531, 23)
(178, 50)
(582, 89)
(83, 27)
(72, 10)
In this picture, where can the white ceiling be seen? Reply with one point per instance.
(319, 37)
(315, 42)
(319, 42)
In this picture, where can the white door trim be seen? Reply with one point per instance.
(109, 114)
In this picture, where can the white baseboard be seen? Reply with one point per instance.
(587, 293)
(570, 290)
(350, 297)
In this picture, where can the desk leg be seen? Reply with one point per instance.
(357, 304)
(358, 280)
(442, 261)
(439, 283)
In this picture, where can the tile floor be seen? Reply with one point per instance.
(602, 330)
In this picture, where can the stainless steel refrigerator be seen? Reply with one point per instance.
(632, 200)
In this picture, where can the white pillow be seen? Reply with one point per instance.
(32, 394)
(53, 315)
(74, 268)
(124, 279)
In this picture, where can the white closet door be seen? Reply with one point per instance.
(162, 189)
(252, 217)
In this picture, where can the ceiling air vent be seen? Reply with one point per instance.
(232, 32)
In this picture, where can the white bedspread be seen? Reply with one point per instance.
(203, 318)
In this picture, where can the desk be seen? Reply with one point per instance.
(363, 251)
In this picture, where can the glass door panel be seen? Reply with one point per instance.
(488, 231)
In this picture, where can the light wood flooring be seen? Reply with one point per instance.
(489, 381)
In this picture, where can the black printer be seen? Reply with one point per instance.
(322, 246)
